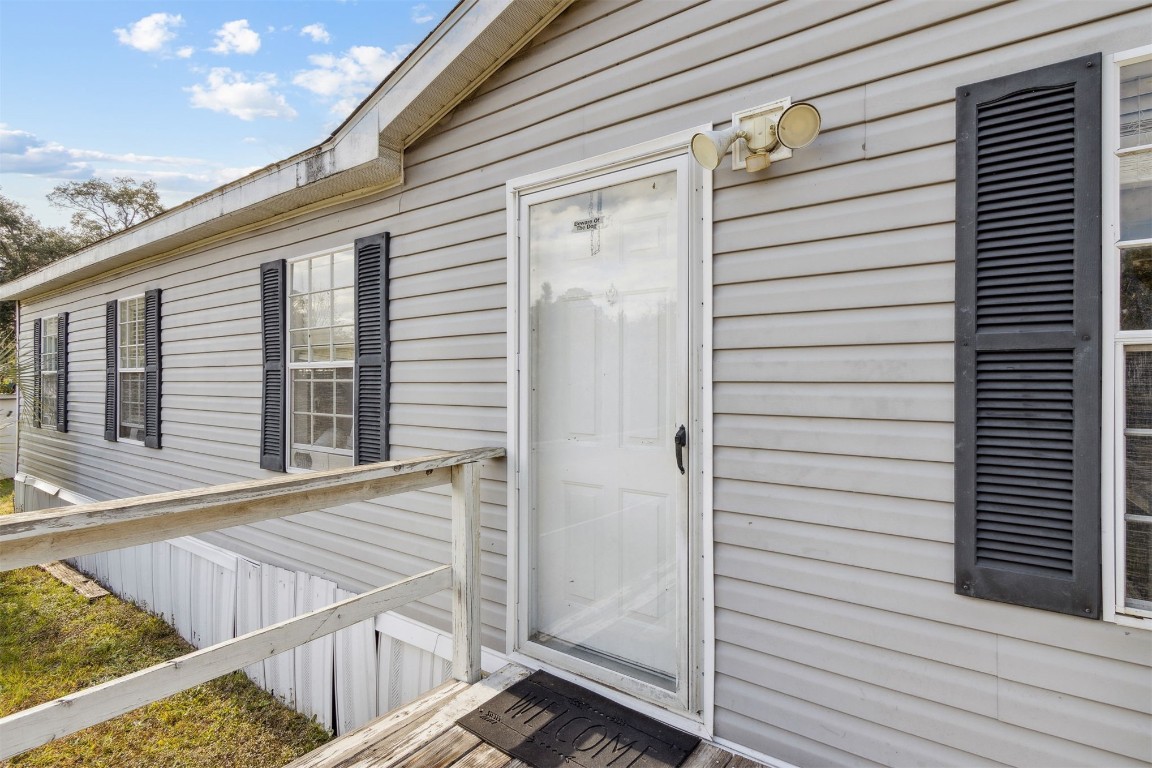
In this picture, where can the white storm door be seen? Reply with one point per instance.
(607, 383)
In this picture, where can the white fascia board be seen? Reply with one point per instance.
(464, 25)
(365, 154)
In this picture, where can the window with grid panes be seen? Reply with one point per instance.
(1134, 337)
(49, 343)
(130, 369)
(321, 341)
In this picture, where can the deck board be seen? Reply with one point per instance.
(444, 751)
(708, 756)
(330, 755)
(486, 756)
(424, 734)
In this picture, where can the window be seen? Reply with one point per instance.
(50, 372)
(321, 325)
(48, 369)
(132, 369)
(324, 324)
(1130, 318)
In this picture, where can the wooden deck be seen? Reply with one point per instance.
(424, 734)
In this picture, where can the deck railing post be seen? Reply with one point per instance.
(466, 572)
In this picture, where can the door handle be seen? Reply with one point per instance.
(681, 441)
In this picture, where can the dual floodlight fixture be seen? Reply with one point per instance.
(759, 136)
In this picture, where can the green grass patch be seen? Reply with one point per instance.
(6, 486)
(54, 642)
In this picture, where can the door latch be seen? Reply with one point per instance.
(681, 441)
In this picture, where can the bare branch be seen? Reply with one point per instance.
(103, 208)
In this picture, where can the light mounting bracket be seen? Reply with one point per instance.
(759, 126)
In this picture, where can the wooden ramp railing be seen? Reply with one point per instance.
(36, 537)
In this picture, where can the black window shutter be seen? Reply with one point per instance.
(272, 322)
(61, 414)
(110, 332)
(371, 406)
(1028, 330)
(37, 350)
(152, 368)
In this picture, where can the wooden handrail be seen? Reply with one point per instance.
(33, 537)
(55, 534)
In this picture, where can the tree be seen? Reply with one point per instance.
(103, 208)
(25, 246)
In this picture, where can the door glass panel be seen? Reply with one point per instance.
(606, 379)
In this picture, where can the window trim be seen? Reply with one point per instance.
(1112, 380)
(120, 369)
(290, 366)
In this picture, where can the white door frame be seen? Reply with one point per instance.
(692, 710)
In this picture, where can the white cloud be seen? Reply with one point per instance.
(421, 14)
(152, 33)
(233, 93)
(345, 80)
(236, 37)
(318, 32)
(16, 142)
(34, 165)
(185, 52)
(25, 153)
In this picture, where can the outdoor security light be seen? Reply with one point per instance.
(709, 147)
(769, 133)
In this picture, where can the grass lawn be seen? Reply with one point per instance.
(54, 642)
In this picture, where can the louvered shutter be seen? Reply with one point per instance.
(272, 322)
(110, 330)
(152, 368)
(37, 351)
(371, 407)
(61, 414)
(1028, 338)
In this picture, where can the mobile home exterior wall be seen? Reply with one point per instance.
(838, 639)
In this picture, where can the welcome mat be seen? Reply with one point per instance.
(548, 722)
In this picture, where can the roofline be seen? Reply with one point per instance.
(364, 155)
(406, 64)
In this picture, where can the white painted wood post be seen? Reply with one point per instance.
(466, 572)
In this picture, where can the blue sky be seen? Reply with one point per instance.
(191, 94)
